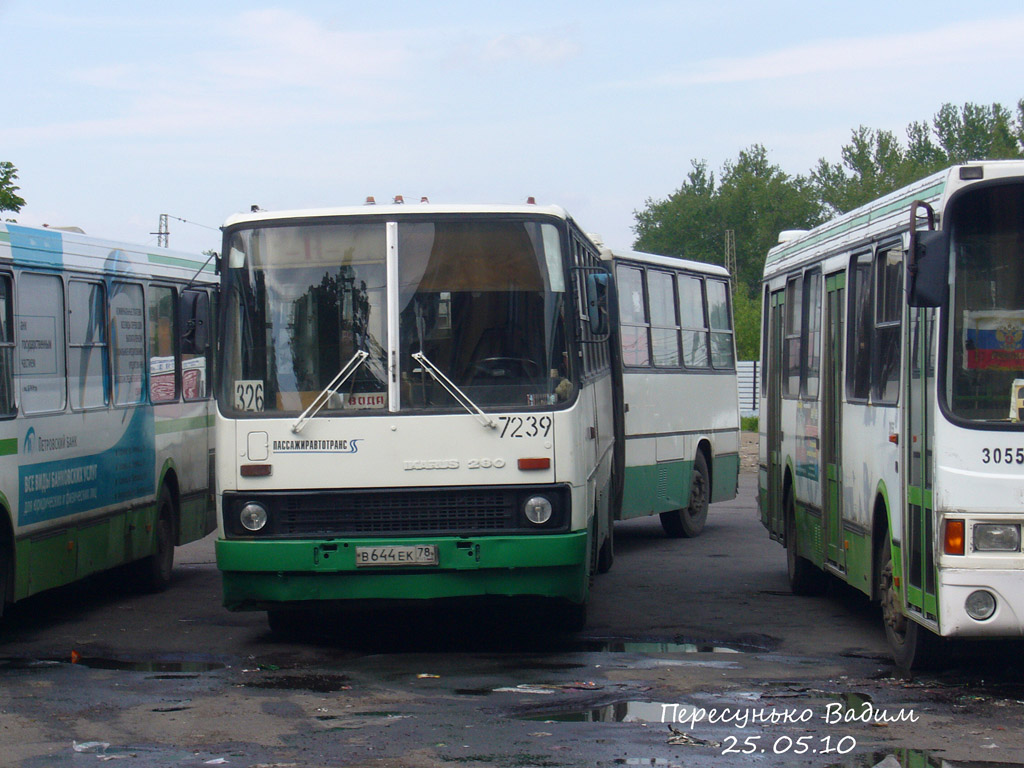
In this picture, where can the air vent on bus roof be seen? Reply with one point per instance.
(788, 235)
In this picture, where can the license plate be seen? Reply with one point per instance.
(384, 557)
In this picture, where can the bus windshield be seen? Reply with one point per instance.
(987, 342)
(482, 299)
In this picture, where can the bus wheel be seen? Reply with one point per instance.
(689, 522)
(911, 645)
(804, 577)
(153, 573)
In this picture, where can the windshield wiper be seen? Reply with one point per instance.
(460, 397)
(321, 400)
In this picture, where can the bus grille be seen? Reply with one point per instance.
(398, 512)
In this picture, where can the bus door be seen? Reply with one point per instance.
(831, 423)
(776, 365)
(918, 519)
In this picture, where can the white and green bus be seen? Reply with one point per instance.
(680, 405)
(416, 404)
(105, 408)
(892, 420)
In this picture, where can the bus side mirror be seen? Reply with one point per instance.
(195, 322)
(928, 268)
(597, 302)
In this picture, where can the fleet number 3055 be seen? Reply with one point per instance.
(1002, 455)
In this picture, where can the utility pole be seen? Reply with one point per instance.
(730, 255)
(163, 235)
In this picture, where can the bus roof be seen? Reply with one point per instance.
(72, 250)
(886, 214)
(675, 262)
(396, 210)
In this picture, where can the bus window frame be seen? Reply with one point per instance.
(861, 260)
(175, 344)
(71, 344)
(792, 325)
(893, 326)
(812, 303)
(10, 345)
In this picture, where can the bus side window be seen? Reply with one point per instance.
(791, 346)
(812, 335)
(163, 379)
(694, 325)
(7, 407)
(888, 317)
(664, 321)
(87, 345)
(40, 331)
(636, 348)
(859, 327)
(195, 344)
(128, 343)
(720, 320)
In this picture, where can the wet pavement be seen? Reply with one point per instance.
(696, 654)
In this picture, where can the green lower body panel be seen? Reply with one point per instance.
(725, 474)
(259, 575)
(656, 488)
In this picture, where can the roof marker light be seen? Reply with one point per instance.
(370, 200)
(399, 200)
(531, 200)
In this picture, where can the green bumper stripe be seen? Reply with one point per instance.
(261, 573)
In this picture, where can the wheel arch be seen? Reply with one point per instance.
(881, 526)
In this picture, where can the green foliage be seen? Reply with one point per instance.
(746, 310)
(9, 201)
(748, 423)
(757, 199)
(875, 163)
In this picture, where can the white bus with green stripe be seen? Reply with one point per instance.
(892, 419)
(680, 404)
(106, 432)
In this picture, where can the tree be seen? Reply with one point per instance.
(874, 163)
(9, 201)
(755, 199)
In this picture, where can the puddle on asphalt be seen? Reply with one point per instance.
(626, 645)
(617, 712)
(175, 668)
(308, 682)
(911, 758)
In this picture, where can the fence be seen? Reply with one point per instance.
(747, 373)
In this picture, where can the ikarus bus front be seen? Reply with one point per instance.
(416, 403)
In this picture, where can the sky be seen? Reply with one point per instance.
(117, 112)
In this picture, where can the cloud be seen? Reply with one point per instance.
(916, 52)
(530, 49)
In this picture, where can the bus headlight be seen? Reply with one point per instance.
(980, 605)
(538, 510)
(253, 517)
(996, 537)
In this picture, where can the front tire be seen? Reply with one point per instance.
(689, 522)
(912, 646)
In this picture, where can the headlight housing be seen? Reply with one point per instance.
(980, 605)
(538, 509)
(996, 537)
(253, 517)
